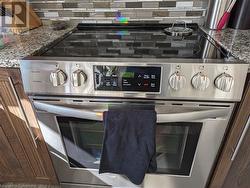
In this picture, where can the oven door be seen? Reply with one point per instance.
(188, 136)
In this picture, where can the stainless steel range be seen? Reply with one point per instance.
(192, 83)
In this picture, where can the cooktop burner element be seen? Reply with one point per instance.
(133, 41)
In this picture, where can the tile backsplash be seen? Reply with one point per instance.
(113, 11)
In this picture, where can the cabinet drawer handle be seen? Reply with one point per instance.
(241, 139)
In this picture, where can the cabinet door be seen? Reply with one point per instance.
(239, 173)
(10, 167)
(22, 134)
(233, 167)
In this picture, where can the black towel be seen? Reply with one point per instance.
(129, 143)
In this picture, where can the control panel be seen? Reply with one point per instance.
(127, 78)
(189, 80)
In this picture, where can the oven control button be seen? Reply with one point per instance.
(200, 81)
(224, 82)
(58, 77)
(177, 81)
(78, 78)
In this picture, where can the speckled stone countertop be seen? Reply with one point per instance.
(235, 41)
(29, 43)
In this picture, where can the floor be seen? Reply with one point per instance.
(27, 186)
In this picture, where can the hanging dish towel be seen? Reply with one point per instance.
(129, 143)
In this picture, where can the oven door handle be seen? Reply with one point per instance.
(161, 118)
(193, 116)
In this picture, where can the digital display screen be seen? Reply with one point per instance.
(128, 74)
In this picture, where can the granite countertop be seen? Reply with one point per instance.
(29, 43)
(235, 41)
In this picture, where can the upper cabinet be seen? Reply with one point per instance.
(23, 153)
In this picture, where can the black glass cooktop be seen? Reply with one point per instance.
(134, 41)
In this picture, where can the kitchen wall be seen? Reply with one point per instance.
(112, 11)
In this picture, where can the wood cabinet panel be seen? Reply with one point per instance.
(9, 163)
(22, 132)
(11, 135)
(239, 173)
(235, 174)
(20, 124)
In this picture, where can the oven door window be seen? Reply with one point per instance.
(175, 144)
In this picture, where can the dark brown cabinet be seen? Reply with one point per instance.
(239, 173)
(23, 153)
(9, 161)
(233, 167)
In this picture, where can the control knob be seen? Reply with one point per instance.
(177, 81)
(224, 82)
(200, 81)
(78, 78)
(58, 78)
